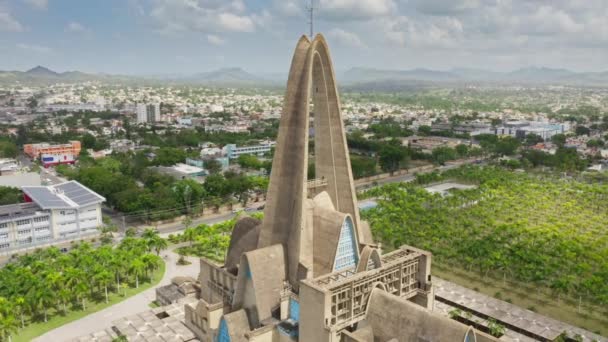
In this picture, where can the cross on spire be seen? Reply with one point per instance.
(311, 11)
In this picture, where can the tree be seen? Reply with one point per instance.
(424, 130)
(9, 195)
(559, 139)
(81, 290)
(362, 166)
(158, 243)
(136, 268)
(188, 193)
(443, 154)
(582, 130)
(532, 139)
(104, 278)
(189, 235)
(248, 161)
(507, 146)
(390, 157)
(44, 298)
(595, 143)
(32, 103)
(8, 323)
(213, 166)
(462, 150)
(20, 305)
(8, 149)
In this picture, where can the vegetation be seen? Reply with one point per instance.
(541, 230)
(129, 186)
(209, 241)
(9, 195)
(47, 287)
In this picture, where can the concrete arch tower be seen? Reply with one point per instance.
(311, 77)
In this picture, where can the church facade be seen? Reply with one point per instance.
(310, 270)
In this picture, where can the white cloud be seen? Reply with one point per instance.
(356, 9)
(38, 4)
(215, 40)
(35, 48)
(548, 20)
(202, 15)
(289, 8)
(75, 27)
(8, 23)
(346, 38)
(236, 23)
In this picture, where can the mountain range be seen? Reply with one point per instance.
(358, 76)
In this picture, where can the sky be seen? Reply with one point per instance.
(167, 37)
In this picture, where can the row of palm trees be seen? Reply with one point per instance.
(50, 281)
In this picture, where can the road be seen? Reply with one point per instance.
(138, 303)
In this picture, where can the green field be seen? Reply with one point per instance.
(57, 319)
(535, 230)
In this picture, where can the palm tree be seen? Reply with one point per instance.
(64, 295)
(117, 266)
(8, 326)
(45, 297)
(158, 244)
(8, 323)
(149, 233)
(20, 305)
(103, 278)
(151, 262)
(189, 235)
(136, 268)
(81, 289)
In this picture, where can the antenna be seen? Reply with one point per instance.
(311, 21)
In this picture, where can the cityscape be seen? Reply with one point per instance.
(326, 171)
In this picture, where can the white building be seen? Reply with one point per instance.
(148, 113)
(51, 214)
(233, 152)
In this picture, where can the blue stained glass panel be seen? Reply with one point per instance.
(346, 256)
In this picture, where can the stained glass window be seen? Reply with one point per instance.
(223, 335)
(346, 256)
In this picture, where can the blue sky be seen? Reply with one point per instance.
(187, 36)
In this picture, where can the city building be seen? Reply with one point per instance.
(472, 129)
(49, 215)
(233, 152)
(519, 129)
(8, 166)
(148, 113)
(35, 151)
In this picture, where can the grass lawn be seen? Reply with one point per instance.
(56, 319)
(527, 297)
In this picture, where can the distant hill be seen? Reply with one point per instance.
(355, 78)
(226, 76)
(532, 75)
(41, 71)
